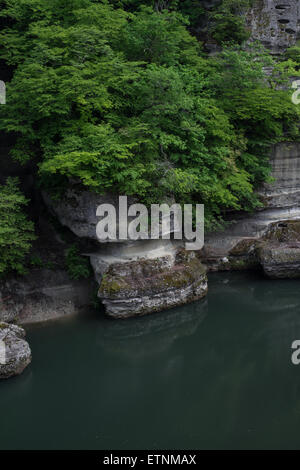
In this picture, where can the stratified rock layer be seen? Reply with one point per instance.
(43, 294)
(16, 354)
(135, 277)
(285, 191)
(235, 247)
(145, 286)
(279, 251)
(281, 261)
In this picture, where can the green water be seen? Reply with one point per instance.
(214, 374)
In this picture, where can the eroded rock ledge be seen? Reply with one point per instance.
(134, 277)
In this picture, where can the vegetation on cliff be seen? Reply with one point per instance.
(122, 97)
(16, 231)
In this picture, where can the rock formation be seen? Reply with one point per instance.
(235, 247)
(15, 352)
(145, 286)
(43, 294)
(135, 277)
(275, 23)
(281, 261)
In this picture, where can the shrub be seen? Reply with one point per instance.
(16, 231)
(78, 267)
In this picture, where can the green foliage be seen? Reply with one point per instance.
(291, 62)
(191, 9)
(36, 261)
(78, 267)
(294, 54)
(159, 38)
(16, 231)
(229, 22)
(126, 102)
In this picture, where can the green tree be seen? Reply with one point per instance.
(127, 102)
(16, 231)
(228, 21)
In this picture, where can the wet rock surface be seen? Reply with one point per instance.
(281, 261)
(15, 353)
(134, 277)
(279, 252)
(235, 247)
(146, 286)
(41, 295)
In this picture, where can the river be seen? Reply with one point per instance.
(215, 374)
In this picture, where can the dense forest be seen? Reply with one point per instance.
(126, 97)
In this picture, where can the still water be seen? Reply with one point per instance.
(211, 375)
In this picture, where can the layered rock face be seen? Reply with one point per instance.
(275, 23)
(42, 295)
(234, 248)
(15, 354)
(281, 262)
(279, 251)
(135, 277)
(285, 191)
(145, 286)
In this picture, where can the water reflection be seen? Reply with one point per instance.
(213, 374)
(149, 336)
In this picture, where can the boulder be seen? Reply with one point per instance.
(77, 210)
(15, 353)
(150, 285)
(281, 261)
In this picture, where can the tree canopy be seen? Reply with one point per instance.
(122, 98)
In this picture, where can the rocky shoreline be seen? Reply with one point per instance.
(143, 277)
(138, 278)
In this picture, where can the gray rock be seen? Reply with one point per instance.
(281, 261)
(10, 306)
(285, 163)
(275, 23)
(135, 277)
(15, 354)
(281, 201)
(42, 295)
(117, 253)
(77, 210)
(145, 286)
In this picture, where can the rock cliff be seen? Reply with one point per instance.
(43, 294)
(275, 23)
(134, 277)
(235, 248)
